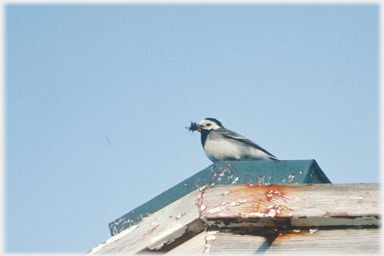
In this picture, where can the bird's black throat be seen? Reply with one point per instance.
(204, 135)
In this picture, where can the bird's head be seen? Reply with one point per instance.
(209, 124)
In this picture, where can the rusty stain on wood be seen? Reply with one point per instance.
(288, 201)
(261, 201)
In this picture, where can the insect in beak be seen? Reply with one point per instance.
(194, 127)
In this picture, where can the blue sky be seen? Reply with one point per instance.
(98, 97)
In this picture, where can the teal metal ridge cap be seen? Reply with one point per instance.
(227, 173)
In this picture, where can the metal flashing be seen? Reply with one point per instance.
(227, 173)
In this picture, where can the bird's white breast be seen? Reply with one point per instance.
(232, 150)
(220, 150)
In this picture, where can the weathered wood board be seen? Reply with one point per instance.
(321, 241)
(292, 205)
(324, 217)
(178, 219)
(313, 241)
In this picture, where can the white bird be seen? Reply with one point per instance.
(221, 144)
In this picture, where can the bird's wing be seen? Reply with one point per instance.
(235, 136)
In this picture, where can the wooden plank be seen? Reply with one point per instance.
(195, 245)
(321, 241)
(228, 243)
(175, 222)
(292, 205)
(329, 241)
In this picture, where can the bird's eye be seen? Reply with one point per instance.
(208, 124)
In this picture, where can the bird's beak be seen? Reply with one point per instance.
(198, 128)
